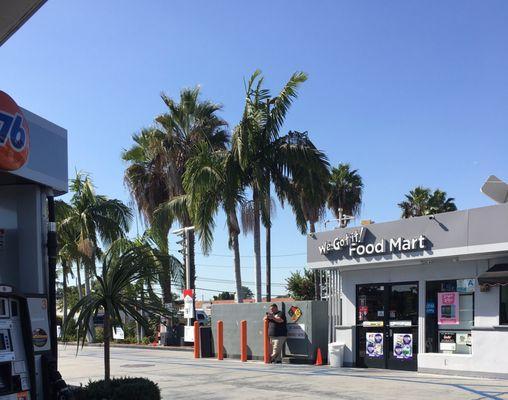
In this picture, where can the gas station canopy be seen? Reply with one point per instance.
(14, 13)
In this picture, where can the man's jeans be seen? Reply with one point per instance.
(277, 347)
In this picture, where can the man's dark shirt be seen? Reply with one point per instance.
(277, 329)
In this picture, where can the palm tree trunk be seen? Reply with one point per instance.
(142, 329)
(257, 244)
(268, 261)
(234, 231)
(107, 339)
(91, 327)
(64, 269)
(238, 271)
(78, 278)
(165, 282)
(317, 283)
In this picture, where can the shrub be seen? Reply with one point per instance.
(119, 389)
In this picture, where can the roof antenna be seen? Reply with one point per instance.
(496, 189)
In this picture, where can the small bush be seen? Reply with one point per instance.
(119, 389)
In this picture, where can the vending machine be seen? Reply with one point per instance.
(33, 171)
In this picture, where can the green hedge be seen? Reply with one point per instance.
(119, 389)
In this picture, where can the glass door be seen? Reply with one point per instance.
(402, 329)
(370, 324)
(387, 325)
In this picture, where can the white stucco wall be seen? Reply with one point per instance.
(489, 350)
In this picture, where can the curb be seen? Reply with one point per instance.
(134, 346)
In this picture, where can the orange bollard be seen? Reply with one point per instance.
(266, 343)
(243, 340)
(196, 339)
(220, 340)
(319, 358)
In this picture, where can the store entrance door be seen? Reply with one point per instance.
(387, 325)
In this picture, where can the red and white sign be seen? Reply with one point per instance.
(14, 135)
(188, 303)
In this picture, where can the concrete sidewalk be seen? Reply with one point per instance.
(180, 376)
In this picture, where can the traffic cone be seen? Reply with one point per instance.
(319, 358)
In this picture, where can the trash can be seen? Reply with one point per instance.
(336, 354)
(171, 337)
(205, 340)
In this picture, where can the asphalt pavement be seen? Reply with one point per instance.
(180, 376)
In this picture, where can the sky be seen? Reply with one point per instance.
(409, 92)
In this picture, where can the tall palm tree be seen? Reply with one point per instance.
(157, 161)
(111, 295)
(422, 201)
(266, 157)
(95, 218)
(68, 251)
(307, 190)
(147, 179)
(345, 192)
(213, 179)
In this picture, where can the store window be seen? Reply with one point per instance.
(503, 306)
(449, 316)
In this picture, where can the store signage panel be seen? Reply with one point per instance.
(371, 324)
(14, 135)
(353, 245)
(296, 331)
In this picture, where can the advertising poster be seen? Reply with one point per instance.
(403, 346)
(374, 344)
(447, 341)
(448, 308)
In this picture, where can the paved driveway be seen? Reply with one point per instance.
(182, 377)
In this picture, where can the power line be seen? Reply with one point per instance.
(251, 256)
(217, 280)
(229, 266)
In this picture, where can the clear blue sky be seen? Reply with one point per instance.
(409, 92)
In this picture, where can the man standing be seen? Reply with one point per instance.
(277, 331)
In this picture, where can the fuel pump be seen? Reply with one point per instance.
(33, 169)
(17, 368)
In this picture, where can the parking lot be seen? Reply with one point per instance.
(180, 376)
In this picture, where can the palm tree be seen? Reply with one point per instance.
(159, 156)
(268, 158)
(213, 179)
(422, 201)
(345, 193)
(111, 295)
(146, 178)
(68, 251)
(94, 217)
(307, 190)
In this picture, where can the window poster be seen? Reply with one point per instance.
(403, 346)
(448, 308)
(447, 341)
(374, 344)
(466, 285)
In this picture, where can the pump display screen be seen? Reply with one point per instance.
(4, 308)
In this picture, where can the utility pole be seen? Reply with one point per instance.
(189, 284)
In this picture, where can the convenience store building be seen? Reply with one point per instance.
(427, 293)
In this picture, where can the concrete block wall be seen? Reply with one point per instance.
(314, 319)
